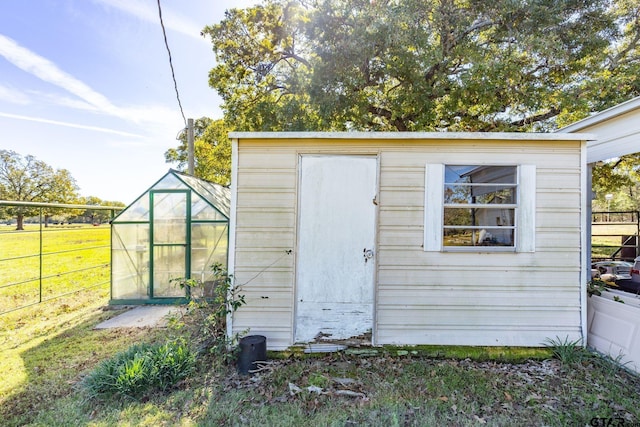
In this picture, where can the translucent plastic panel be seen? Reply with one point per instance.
(209, 245)
(201, 210)
(168, 264)
(130, 261)
(137, 211)
(170, 182)
(169, 218)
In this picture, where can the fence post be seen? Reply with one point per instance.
(40, 275)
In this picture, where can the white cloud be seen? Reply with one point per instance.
(89, 99)
(47, 71)
(71, 125)
(14, 96)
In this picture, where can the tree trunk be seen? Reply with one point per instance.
(46, 220)
(20, 220)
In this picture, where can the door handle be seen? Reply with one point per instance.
(367, 254)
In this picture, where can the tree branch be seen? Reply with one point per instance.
(554, 111)
(384, 113)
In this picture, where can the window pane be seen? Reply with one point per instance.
(208, 246)
(130, 261)
(483, 194)
(483, 237)
(137, 211)
(473, 185)
(201, 210)
(170, 218)
(168, 264)
(480, 174)
(482, 217)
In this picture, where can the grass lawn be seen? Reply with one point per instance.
(74, 257)
(413, 387)
(46, 350)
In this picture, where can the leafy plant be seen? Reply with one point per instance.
(140, 369)
(596, 287)
(209, 309)
(171, 363)
(568, 352)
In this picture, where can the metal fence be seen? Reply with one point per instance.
(63, 249)
(614, 235)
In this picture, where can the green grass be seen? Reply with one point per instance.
(606, 239)
(74, 257)
(47, 349)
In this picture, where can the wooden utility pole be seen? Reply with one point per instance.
(190, 147)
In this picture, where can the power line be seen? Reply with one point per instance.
(173, 74)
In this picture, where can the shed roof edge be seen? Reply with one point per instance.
(416, 135)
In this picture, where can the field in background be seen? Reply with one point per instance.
(607, 238)
(46, 347)
(74, 257)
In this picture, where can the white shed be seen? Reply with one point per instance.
(409, 238)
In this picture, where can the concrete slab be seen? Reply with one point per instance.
(144, 316)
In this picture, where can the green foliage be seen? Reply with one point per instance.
(207, 324)
(423, 65)
(212, 151)
(27, 179)
(621, 178)
(568, 352)
(140, 369)
(596, 287)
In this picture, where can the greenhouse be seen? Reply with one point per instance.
(179, 228)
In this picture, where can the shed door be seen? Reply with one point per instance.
(336, 254)
(170, 214)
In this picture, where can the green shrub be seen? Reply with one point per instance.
(140, 369)
(172, 362)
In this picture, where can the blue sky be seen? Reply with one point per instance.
(85, 85)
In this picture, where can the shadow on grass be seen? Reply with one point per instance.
(56, 365)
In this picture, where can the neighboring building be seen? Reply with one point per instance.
(616, 131)
(409, 238)
(612, 328)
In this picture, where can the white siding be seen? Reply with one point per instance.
(422, 297)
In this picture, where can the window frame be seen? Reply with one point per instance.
(524, 209)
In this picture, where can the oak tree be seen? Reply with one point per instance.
(429, 65)
(27, 179)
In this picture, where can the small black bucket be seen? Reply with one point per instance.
(253, 348)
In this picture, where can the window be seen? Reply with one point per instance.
(480, 208)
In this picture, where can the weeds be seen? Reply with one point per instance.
(207, 325)
(140, 369)
(568, 352)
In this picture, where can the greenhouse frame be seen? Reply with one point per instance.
(177, 229)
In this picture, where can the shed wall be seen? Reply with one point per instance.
(423, 297)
